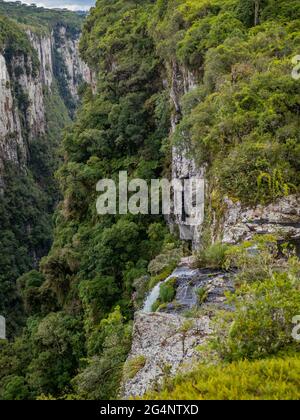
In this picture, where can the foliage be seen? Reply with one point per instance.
(241, 123)
(101, 378)
(167, 291)
(262, 320)
(133, 366)
(202, 294)
(41, 18)
(270, 379)
(213, 256)
(242, 120)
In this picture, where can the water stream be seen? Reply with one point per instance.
(188, 282)
(183, 273)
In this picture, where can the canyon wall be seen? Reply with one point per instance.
(24, 81)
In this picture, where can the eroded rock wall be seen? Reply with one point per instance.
(24, 80)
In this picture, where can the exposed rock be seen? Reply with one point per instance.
(213, 283)
(77, 70)
(281, 217)
(12, 146)
(32, 87)
(183, 165)
(24, 118)
(43, 44)
(168, 343)
(167, 340)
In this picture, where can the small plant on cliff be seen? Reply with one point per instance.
(272, 186)
(167, 291)
(213, 256)
(202, 294)
(253, 259)
(133, 366)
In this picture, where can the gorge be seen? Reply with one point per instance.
(40, 73)
(107, 306)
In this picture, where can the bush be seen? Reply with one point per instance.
(213, 256)
(261, 324)
(133, 366)
(202, 294)
(271, 379)
(253, 259)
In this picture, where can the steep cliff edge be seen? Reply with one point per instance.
(40, 74)
(27, 78)
(184, 87)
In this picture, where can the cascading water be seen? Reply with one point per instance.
(188, 282)
(181, 273)
(152, 298)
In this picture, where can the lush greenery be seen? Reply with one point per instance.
(30, 196)
(41, 18)
(270, 379)
(242, 122)
(252, 353)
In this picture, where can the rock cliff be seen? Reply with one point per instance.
(24, 81)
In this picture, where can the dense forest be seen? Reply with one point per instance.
(29, 192)
(73, 311)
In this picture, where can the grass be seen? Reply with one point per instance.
(269, 379)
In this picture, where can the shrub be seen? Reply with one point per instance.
(261, 324)
(133, 366)
(202, 294)
(167, 291)
(271, 379)
(253, 259)
(213, 256)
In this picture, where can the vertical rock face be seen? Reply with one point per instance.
(183, 164)
(43, 45)
(12, 146)
(239, 222)
(31, 100)
(77, 70)
(24, 79)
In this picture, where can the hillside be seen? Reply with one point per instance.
(184, 88)
(40, 73)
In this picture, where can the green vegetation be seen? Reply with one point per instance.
(270, 379)
(264, 304)
(212, 256)
(41, 18)
(133, 366)
(167, 293)
(202, 294)
(241, 121)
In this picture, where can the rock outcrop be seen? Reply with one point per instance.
(183, 165)
(281, 217)
(12, 146)
(167, 340)
(168, 343)
(24, 79)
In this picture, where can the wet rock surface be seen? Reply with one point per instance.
(211, 283)
(167, 339)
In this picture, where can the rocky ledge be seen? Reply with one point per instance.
(281, 217)
(167, 343)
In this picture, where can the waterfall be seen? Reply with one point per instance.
(181, 272)
(152, 298)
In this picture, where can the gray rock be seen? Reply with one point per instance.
(168, 343)
(281, 217)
